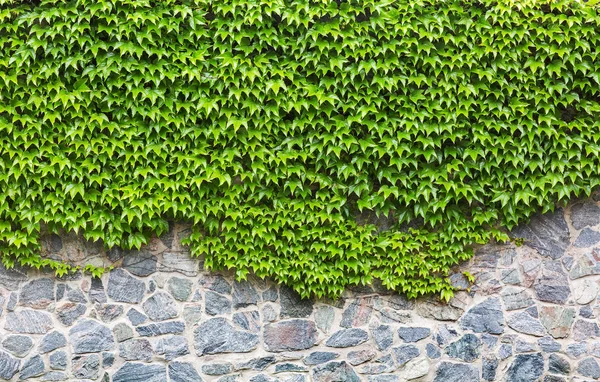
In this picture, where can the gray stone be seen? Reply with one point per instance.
(585, 214)
(122, 332)
(319, 357)
(76, 295)
(136, 349)
(585, 330)
(358, 312)
(180, 262)
(384, 378)
(526, 368)
(97, 293)
(89, 336)
(217, 304)
(217, 335)
(468, 348)
(172, 347)
(557, 320)
(586, 312)
(408, 334)
(522, 346)
(438, 310)
(510, 276)
(292, 305)
(122, 287)
(522, 322)
(18, 345)
(192, 314)
(289, 368)
(489, 366)
(324, 316)
(12, 302)
(160, 307)
(586, 265)
(8, 365)
(217, 368)
(516, 298)
(216, 283)
(258, 364)
(180, 288)
(587, 238)
(86, 366)
(445, 334)
(381, 365)
(248, 320)
(161, 328)
(335, 371)
(486, 317)
(183, 372)
(139, 372)
(505, 351)
(383, 336)
(136, 317)
(558, 365)
(244, 294)
(70, 312)
(37, 294)
(33, 367)
(58, 360)
(290, 335)
(547, 233)
(54, 376)
(140, 263)
(588, 367)
(108, 359)
(360, 356)
(28, 321)
(456, 372)
(263, 378)
(576, 350)
(552, 283)
(433, 352)
(548, 345)
(347, 337)
(271, 294)
(585, 291)
(109, 312)
(405, 353)
(11, 278)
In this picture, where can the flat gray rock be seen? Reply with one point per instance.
(89, 336)
(139, 372)
(547, 233)
(217, 336)
(28, 321)
(123, 287)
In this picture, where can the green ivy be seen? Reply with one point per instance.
(285, 129)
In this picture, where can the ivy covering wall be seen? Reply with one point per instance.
(283, 129)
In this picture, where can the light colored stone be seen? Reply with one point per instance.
(585, 291)
(414, 369)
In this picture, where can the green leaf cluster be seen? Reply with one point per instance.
(272, 124)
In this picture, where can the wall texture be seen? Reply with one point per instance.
(158, 316)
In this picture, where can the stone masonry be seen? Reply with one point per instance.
(159, 316)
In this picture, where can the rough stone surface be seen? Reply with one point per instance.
(557, 320)
(524, 323)
(383, 336)
(28, 321)
(136, 349)
(335, 371)
(552, 283)
(180, 288)
(161, 328)
(292, 306)
(58, 360)
(290, 335)
(172, 347)
(9, 366)
(548, 234)
(37, 293)
(468, 348)
(408, 334)
(404, 353)
(123, 287)
(89, 336)
(86, 366)
(160, 307)
(183, 372)
(456, 372)
(217, 304)
(585, 214)
(319, 357)
(526, 368)
(347, 337)
(18, 345)
(589, 368)
(140, 264)
(486, 317)
(217, 335)
(139, 372)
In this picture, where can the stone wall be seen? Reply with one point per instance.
(158, 316)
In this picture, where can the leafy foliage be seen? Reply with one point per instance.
(272, 124)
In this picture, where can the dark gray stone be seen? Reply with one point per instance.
(489, 366)
(12, 302)
(216, 283)
(468, 348)
(270, 294)
(70, 312)
(405, 353)
(522, 346)
(358, 312)
(486, 317)
(258, 364)
(360, 356)
(244, 294)
(289, 368)
(97, 293)
(33, 367)
(576, 350)
(180, 262)
(248, 320)
(217, 368)
(58, 360)
(172, 347)
(86, 366)
(383, 336)
(183, 372)
(445, 334)
(384, 364)
(52, 341)
(76, 295)
(136, 317)
(319, 357)
(180, 288)
(324, 316)
(140, 263)
(122, 332)
(217, 336)
(347, 337)
(217, 304)
(109, 312)
(18, 345)
(552, 283)
(335, 371)
(456, 372)
(408, 334)
(547, 233)
(586, 312)
(587, 238)
(510, 276)
(515, 298)
(160, 307)
(548, 345)
(12, 278)
(192, 314)
(292, 306)
(585, 214)
(37, 293)
(161, 328)
(108, 359)
(122, 287)
(89, 336)
(54, 376)
(139, 372)
(136, 349)
(263, 378)
(8, 365)
(526, 368)
(28, 321)
(558, 365)
(522, 322)
(290, 335)
(433, 352)
(588, 367)
(505, 351)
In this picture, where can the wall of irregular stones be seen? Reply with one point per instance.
(158, 316)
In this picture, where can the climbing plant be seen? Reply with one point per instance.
(320, 143)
